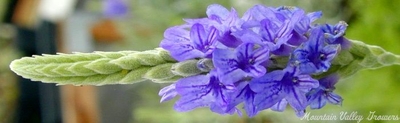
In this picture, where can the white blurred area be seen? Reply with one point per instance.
(55, 10)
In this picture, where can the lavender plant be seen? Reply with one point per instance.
(267, 59)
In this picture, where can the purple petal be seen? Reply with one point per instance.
(239, 95)
(344, 43)
(269, 30)
(300, 113)
(224, 58)
(244, 51)
(307, 68)
(261, 55)
(267, 81)
(269, 90)
(329, 81)
(306, 81)
(197, 91)
(316, 41)
(247, 16)
(232, 18)
(177, 34)
(181, 51)
(318, 103)
(285, 30)
(229, 40)
(249, 36)
(334, 98)
(225, 62)
(314, 15)
(193, 85)
(296, 99)
(296, 39)
(217, 10)
(199, 36)
(298, 14)
(323, 66)
(315, 98)
(283, 50)
(198, 20)
(177, 42)
(246, 95)
(167, 93)
(269, 97)
(257, 70)
(330, 51)
(260, 12)
(187, 103)
(232, 76)
(302, 26)
(280, 106)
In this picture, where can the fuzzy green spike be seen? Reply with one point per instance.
(374, 55)
(363, 56)
(102, 68)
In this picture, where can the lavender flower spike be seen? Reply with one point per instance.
(245, 61)
(286, 84)
(314, 56)
(184, 45)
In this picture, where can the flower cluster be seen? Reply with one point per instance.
(244, 51)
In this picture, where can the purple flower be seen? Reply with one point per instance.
(274, 29)
(286, 84)
(237, 52)
(245, 61)
(225, 21)
(318, 97)
(303, 25)
(203, 91)
(115, 8)
(314, 56)
(184, 45)
(335, 34)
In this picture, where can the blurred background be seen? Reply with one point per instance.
(31, 27)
